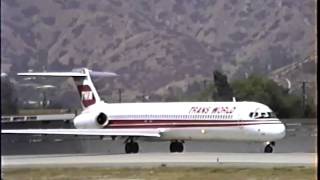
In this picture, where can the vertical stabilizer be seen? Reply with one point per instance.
(87, 92)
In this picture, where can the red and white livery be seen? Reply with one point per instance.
(172, 121)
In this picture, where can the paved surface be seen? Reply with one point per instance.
(162, 159)
(301, 137)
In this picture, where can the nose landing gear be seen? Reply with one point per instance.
(269, 147)
(176, 146)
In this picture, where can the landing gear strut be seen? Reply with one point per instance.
(176, 146)
(131, 146)
(269, 147)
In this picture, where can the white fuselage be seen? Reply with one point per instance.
(246, 121)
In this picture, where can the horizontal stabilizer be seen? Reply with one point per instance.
(82, 78)
(102, 74)
(97, 73)
(87, 132)
(54, 74)
(73, 73)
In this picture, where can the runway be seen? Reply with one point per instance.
(162, 160)
(301, 137)
(298, 148)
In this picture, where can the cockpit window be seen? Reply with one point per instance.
(264, 115)
(271, 115)
(251, 114)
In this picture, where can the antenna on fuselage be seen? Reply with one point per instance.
(233, 99)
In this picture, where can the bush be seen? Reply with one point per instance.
(266, 91)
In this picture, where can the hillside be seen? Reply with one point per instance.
(293, 75)
(153, 44)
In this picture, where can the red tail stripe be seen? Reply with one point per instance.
(86, 102)
(84, 88)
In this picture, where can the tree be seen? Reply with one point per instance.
(9, 100)
(259, 89)
(266, 91)
(223, 91)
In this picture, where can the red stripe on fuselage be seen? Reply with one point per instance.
(184, 123)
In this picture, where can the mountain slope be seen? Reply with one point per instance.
(155, 43)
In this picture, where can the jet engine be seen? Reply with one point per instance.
(91, 121)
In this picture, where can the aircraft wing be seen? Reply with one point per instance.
(87, 132)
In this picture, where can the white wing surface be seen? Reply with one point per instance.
(87, 132)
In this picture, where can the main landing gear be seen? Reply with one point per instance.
(176, 146)
(269, 147)
(131, 146)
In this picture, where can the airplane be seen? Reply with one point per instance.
(164, 121)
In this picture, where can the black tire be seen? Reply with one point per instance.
(173, 147)
(128, 148)
(268, 149)
(135, 147)
(179, 147)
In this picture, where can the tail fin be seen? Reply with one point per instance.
(87, 92)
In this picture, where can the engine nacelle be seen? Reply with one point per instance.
(91, 121)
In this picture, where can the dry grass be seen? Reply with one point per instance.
(162, 173)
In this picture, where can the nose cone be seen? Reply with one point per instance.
(279, 131)
(275, 131)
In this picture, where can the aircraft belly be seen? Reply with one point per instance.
(206, 133)
(258, 133)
